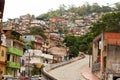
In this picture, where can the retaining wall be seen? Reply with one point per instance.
(45, 70)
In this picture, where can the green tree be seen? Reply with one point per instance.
(106, 9)
(117, 6)
(33, 17)
(37, 31)
(36, 71)
(95, 8)
(62, 8)
(85, 41)
(72, 43)
(70, 40)
(82, 10)
(108, 23)
(43, 16)
(72, 8)
(73, 51)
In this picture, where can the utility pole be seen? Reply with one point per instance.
(89, 60)
(28, 63)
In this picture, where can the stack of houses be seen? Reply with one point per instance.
(20, 52)
(78, 26)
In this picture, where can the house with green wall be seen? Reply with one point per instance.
(14, 52)
(13, 61)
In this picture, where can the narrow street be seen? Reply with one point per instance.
(71, 71)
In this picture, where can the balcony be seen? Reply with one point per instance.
(96, 67)
(13, 64)
(15, 51)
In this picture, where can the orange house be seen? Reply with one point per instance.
(3, 55)
(106, 56)
(2, 60)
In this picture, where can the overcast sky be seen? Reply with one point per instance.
(15, 8)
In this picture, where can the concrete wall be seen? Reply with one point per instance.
(95, 52)
(2, 60)
(45, 70)
(113, 58)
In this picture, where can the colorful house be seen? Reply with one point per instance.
(28, 38)
(105, 58)
(14, 52)
(38, 42)
(31, 57)
(59, 54)
(13, 61)
(3, 55)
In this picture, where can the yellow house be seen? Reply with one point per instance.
(2, 60)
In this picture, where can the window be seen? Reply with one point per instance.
(23, 62)
(13, 58)
(8, 57)
(2, 54)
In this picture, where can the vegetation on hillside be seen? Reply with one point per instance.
(80, 11)
(108, 23)
(37, 31)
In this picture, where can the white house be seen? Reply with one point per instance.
(31, 57)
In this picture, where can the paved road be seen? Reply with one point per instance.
(71, 71)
